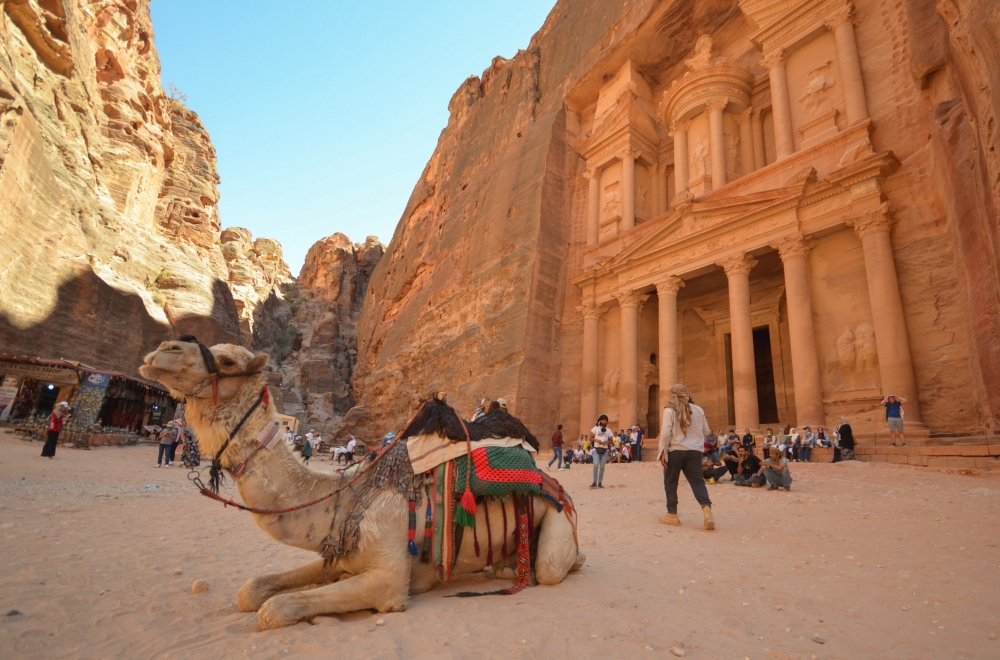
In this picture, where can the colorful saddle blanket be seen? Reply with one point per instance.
(498, 472)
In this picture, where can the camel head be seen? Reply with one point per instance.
(183, 369)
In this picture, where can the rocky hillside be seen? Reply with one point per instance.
(313, 332)
(108, 194)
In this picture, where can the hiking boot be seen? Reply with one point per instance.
(709, 520)
(671, 519)
(593, 485)
(754, 484)
(600, 485)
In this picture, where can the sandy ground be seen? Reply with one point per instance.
(878, 561)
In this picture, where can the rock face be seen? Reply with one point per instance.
(108, 193)
(482, 289)
(315, 335)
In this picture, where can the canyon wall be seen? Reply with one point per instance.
(111, 233)
(475, 296)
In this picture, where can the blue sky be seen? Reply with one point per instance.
(323, 114)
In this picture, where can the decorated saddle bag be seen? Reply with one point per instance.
(498, 472)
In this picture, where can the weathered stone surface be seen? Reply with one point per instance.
(484, 281)
(316, 341)
(108, 193)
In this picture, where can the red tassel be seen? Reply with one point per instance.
(469, 501)
(267, 397)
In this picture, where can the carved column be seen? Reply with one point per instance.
(628, 385)
(679, 133)
(717, 141)
(746, 142)
(894, 361)
(664, 189)
(666, 291)
(593, 206)
(780, 109)
(842, 26)
(757, 126)
(741, 329)
(794, 252)
(590, 386)
(628, 189)
(654, 191)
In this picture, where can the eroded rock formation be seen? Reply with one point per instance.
(108, 193)
(315, 334)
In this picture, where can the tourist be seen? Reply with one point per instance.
(307, 451)
(782, 438)
(587, 444)
(729, 446)
(480, 412)
(776, 471)
(711, 467)
(745, 468)
(167, 438)
(568, 458)
(681, 449)
(620, 439)
(768, 441)
(502, 403)
(822, 439)
(602, 439)
(557, 444)
(633, 440)
(714, 439)
(808, 442)
(845, 447)
(749, 441)
(794, 442)
(578, 456)
(352, 444)
(178, 440)
(894, 417)
(640, 435)
(56, 419)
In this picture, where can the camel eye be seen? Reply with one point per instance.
(227, 362)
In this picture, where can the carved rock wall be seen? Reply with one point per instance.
(108, 192)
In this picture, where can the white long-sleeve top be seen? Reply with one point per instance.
(671, 437)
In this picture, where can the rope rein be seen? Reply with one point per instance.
(196, 480)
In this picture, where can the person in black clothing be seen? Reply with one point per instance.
(844, 452)
(748, 441)
(746, 468)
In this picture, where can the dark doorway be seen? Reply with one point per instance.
(767, 402)
(653, 416)
(730, 389)
(47, 399)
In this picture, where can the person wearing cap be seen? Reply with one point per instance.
(167, 438)
(56, 419)
(775, 471)
(894, 417)
(503, 404)
(808, 442)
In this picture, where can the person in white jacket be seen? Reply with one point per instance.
(682, 443)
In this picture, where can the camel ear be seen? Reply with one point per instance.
(258, 363)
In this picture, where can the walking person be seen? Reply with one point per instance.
(845, 446)
(307, 450)
(557, 445)
(56, 419)
(894, 417)
(602, 438)
(682, 443)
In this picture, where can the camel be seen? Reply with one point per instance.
(379, 574)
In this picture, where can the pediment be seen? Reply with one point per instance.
(764, 13)
(627, 117)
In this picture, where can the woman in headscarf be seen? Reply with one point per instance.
(682, 443)
(845, 450)
(56, 419)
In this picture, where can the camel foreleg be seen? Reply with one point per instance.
(258, 590)
(379, 590)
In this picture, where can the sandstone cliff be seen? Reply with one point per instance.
(474, 296)
(314, 334)
(108, 193)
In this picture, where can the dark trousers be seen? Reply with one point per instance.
(163, 453)
(173, 451)
(715, 472)
(638, 453)
(51, 440)
(688, 462)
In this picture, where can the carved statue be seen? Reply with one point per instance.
(814, 94)
(703, 57)
(864, 344)
(610, 386)
(613, 200)
(640, 201)
(699, 164)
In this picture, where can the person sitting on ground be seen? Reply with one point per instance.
(775, 470)
(625, 454)
(746, 469)
(567, 458)
(711, 466)
(578, 455)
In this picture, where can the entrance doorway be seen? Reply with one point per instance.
(653, 414)
(767, 400)
(48, 392)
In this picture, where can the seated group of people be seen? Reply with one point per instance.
(745, 469)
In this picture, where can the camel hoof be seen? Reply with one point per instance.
(581, 559)
(252, 595)
(278, 612)
(392, 608)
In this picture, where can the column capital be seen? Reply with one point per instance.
(716, 104)
(757, 116)
(678, 127)
(590, 173)
(872, 221)
(669, 286)
(630, 298)
(592, 311)
(630, 152)
(773, 59)
(738, 264)
(793, 246)
(743, 117)
(843, 14)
